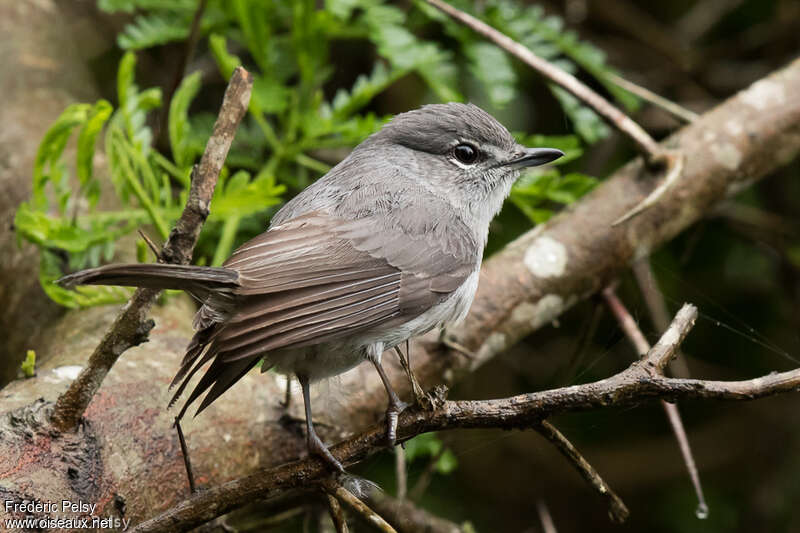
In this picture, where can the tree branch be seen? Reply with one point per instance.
(132, 327)
(616, 507)
(642, 380)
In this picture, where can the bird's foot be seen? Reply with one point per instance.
(318, 448)
(392, 415)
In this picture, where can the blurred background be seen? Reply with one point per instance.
(150, 76)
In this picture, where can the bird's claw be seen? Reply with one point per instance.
(318, 448)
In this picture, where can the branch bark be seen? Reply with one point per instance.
(132, 452)
(132, 326)
(643, 379)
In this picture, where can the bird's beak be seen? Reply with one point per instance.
(532, 157)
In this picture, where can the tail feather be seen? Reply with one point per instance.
(195, 279)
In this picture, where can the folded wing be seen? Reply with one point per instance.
(314, 279)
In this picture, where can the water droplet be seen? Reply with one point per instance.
(702, 511)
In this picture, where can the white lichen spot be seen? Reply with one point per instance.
(535, 315)
(727, 155)
(546, 258)
(763, 94)
(734, 127)
(524, 312)
(709, 136)
(69, 372)
(547, 309)
(227, 437)
(494, 344)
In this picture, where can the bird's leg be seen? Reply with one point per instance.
(396, 406)
(405, 362)
(287, 399)
(314, 443)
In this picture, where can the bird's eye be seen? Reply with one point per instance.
(465, 153)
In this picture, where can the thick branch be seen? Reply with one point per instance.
(640, 381)
(525, 286)
(132, 327)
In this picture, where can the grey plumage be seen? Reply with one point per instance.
(384, 247)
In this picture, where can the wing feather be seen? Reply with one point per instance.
(314, 279)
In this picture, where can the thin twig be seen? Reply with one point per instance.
(657, 307)
(401, 472)
(544, 517)
(673, 172)
(132, 326)
(150, 244)
(647, 95)
(647, 146)
(349, 499)
(640, 381)
(337, 514)
(673, 416)
(180, 71)
(616, 507)
(410, 517)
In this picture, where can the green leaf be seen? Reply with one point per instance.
(364, 90)
(571, 187)
(569, 144)
(28, 366)
(178, 121)
(447, 462)
(342, 8)
(129, 6)
(47, 165)
(226, 62)
(269, 95)
(585, 121)
(154, 29)
(81, 296)
(59, 233)
(492, 67)
(406, 52)
(98, 116)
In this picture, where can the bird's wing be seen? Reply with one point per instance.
(316, 278)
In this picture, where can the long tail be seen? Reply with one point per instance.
(194, 279)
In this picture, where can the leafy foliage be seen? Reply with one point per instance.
(287, 47)
(428, 445)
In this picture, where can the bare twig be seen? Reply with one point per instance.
(132, 326)
(640, 381)
(544, 517)
(650, 150)
(657, 308)
(673, 416)
(180, 71)
(673, 171)
(677, 110)
(349, 499)
(408, 517)
(337, 514)
(616, 507)
(426, 476)
(401, 472)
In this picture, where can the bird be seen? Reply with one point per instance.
(384, 247)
